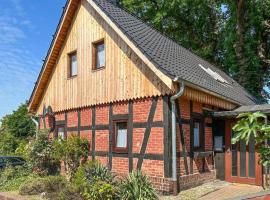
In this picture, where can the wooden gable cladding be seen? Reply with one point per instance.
(53, 53)
(125, 76)
(202, 97)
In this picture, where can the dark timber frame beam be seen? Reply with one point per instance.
(147, 132)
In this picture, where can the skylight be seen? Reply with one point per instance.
(214, 74)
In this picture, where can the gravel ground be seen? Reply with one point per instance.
(197, 192)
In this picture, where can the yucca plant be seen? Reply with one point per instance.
(95, 182)
(137, 187)
(94, 171)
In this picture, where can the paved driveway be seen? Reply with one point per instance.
(232, 191)
(217, 190)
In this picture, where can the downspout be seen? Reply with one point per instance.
(36, 123)
(172, 99)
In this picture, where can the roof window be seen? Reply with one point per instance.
(214, 74)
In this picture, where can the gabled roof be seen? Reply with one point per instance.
(171, 58)
(165, 57)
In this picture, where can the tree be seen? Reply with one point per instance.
(233, 34)
(39, 153)
(19, 123)
(15, 131)
(245, 43)
(71, 151)
(194, 24)
(252, 125)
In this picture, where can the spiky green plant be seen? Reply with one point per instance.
(95, 182)
(94, 171)
(137, 187)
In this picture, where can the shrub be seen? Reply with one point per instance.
(94, 171)
(137, 186)
(95, 182)
(91, 172)
(71, 151)
(100, 190)
(12, 177)
(69, 193)
(8, 144)
(50, 184)
(40, 155)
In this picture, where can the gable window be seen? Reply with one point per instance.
(120, 136)
(98, 57)
(198, 134)
(60, 134)
(73, 65)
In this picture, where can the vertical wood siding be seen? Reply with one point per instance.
(124, 77)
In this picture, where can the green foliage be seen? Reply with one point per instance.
(51, 187)
(21, 150)
(69, 193)
(236, 38)
(94, 171)
(40, 155)
(100, 190)
(71, 151)
(50, 184)
(8, 144)
(95, 181)
(251, 125)
(11, 178)
(19, 123)
(15, 130)
(137, 186)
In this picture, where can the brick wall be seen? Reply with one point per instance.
(188, 167)
(153, 163)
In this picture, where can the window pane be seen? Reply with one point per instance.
(196, 134)
(218, 141)
(73, 70)
(121, 135)
(61, 133)
(100, 55)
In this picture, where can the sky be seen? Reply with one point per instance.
(26, 29)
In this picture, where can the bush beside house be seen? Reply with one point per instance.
(84, 180)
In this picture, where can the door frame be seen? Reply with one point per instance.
(228, 161)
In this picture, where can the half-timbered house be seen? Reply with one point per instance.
(141, 100)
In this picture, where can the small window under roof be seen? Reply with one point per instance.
(214, 74)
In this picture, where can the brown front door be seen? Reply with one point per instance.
(241, 160)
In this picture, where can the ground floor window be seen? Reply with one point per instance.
(120, 136)
(60, 132)
(198, 134)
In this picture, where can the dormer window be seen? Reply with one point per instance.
(98, 57)
(73, 68)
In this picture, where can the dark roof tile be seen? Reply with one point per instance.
(171, 57)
